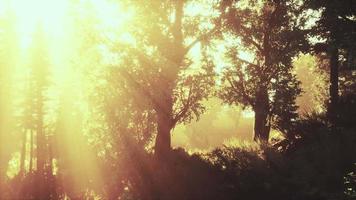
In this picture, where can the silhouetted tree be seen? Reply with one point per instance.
(162, 76)
(337, 26)
(272, 32)
(38, 82)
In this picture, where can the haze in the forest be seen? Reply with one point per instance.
(177, 99)
(223, 124)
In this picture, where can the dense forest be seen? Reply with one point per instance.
(153, 99)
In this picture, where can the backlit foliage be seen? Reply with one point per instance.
(97, 95)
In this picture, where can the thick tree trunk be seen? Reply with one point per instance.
(261, 108)
(261, 127)
(164, 127)
(170, 74)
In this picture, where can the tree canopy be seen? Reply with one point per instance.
(177, 99)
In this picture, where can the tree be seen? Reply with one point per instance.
(159, 68)
(35, 109)
(8, 61)
(337, 27)
(272, 32)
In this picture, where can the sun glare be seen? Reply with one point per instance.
(134, 99)
(55, 18)
(51, 15)
(61, 36)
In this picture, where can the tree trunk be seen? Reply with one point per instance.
(170, 74)
(23, 153)
(332, 18)
(334, 84)
(164, 127)
(31, 151)
(261, 108)
(41, 150)
(50, 157)
(41, 164)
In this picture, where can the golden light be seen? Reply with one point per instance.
(111, 20)
(61, 22)
(30, 14)
(125, 99)
(59, 19)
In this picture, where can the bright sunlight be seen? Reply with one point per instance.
(177, 99)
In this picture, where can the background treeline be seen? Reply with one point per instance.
(101, 126)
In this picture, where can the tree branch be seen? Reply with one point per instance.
(140, 88)
(199, 39)
(249, 38)
(246, 62)
(185, 107)
(242, 90)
